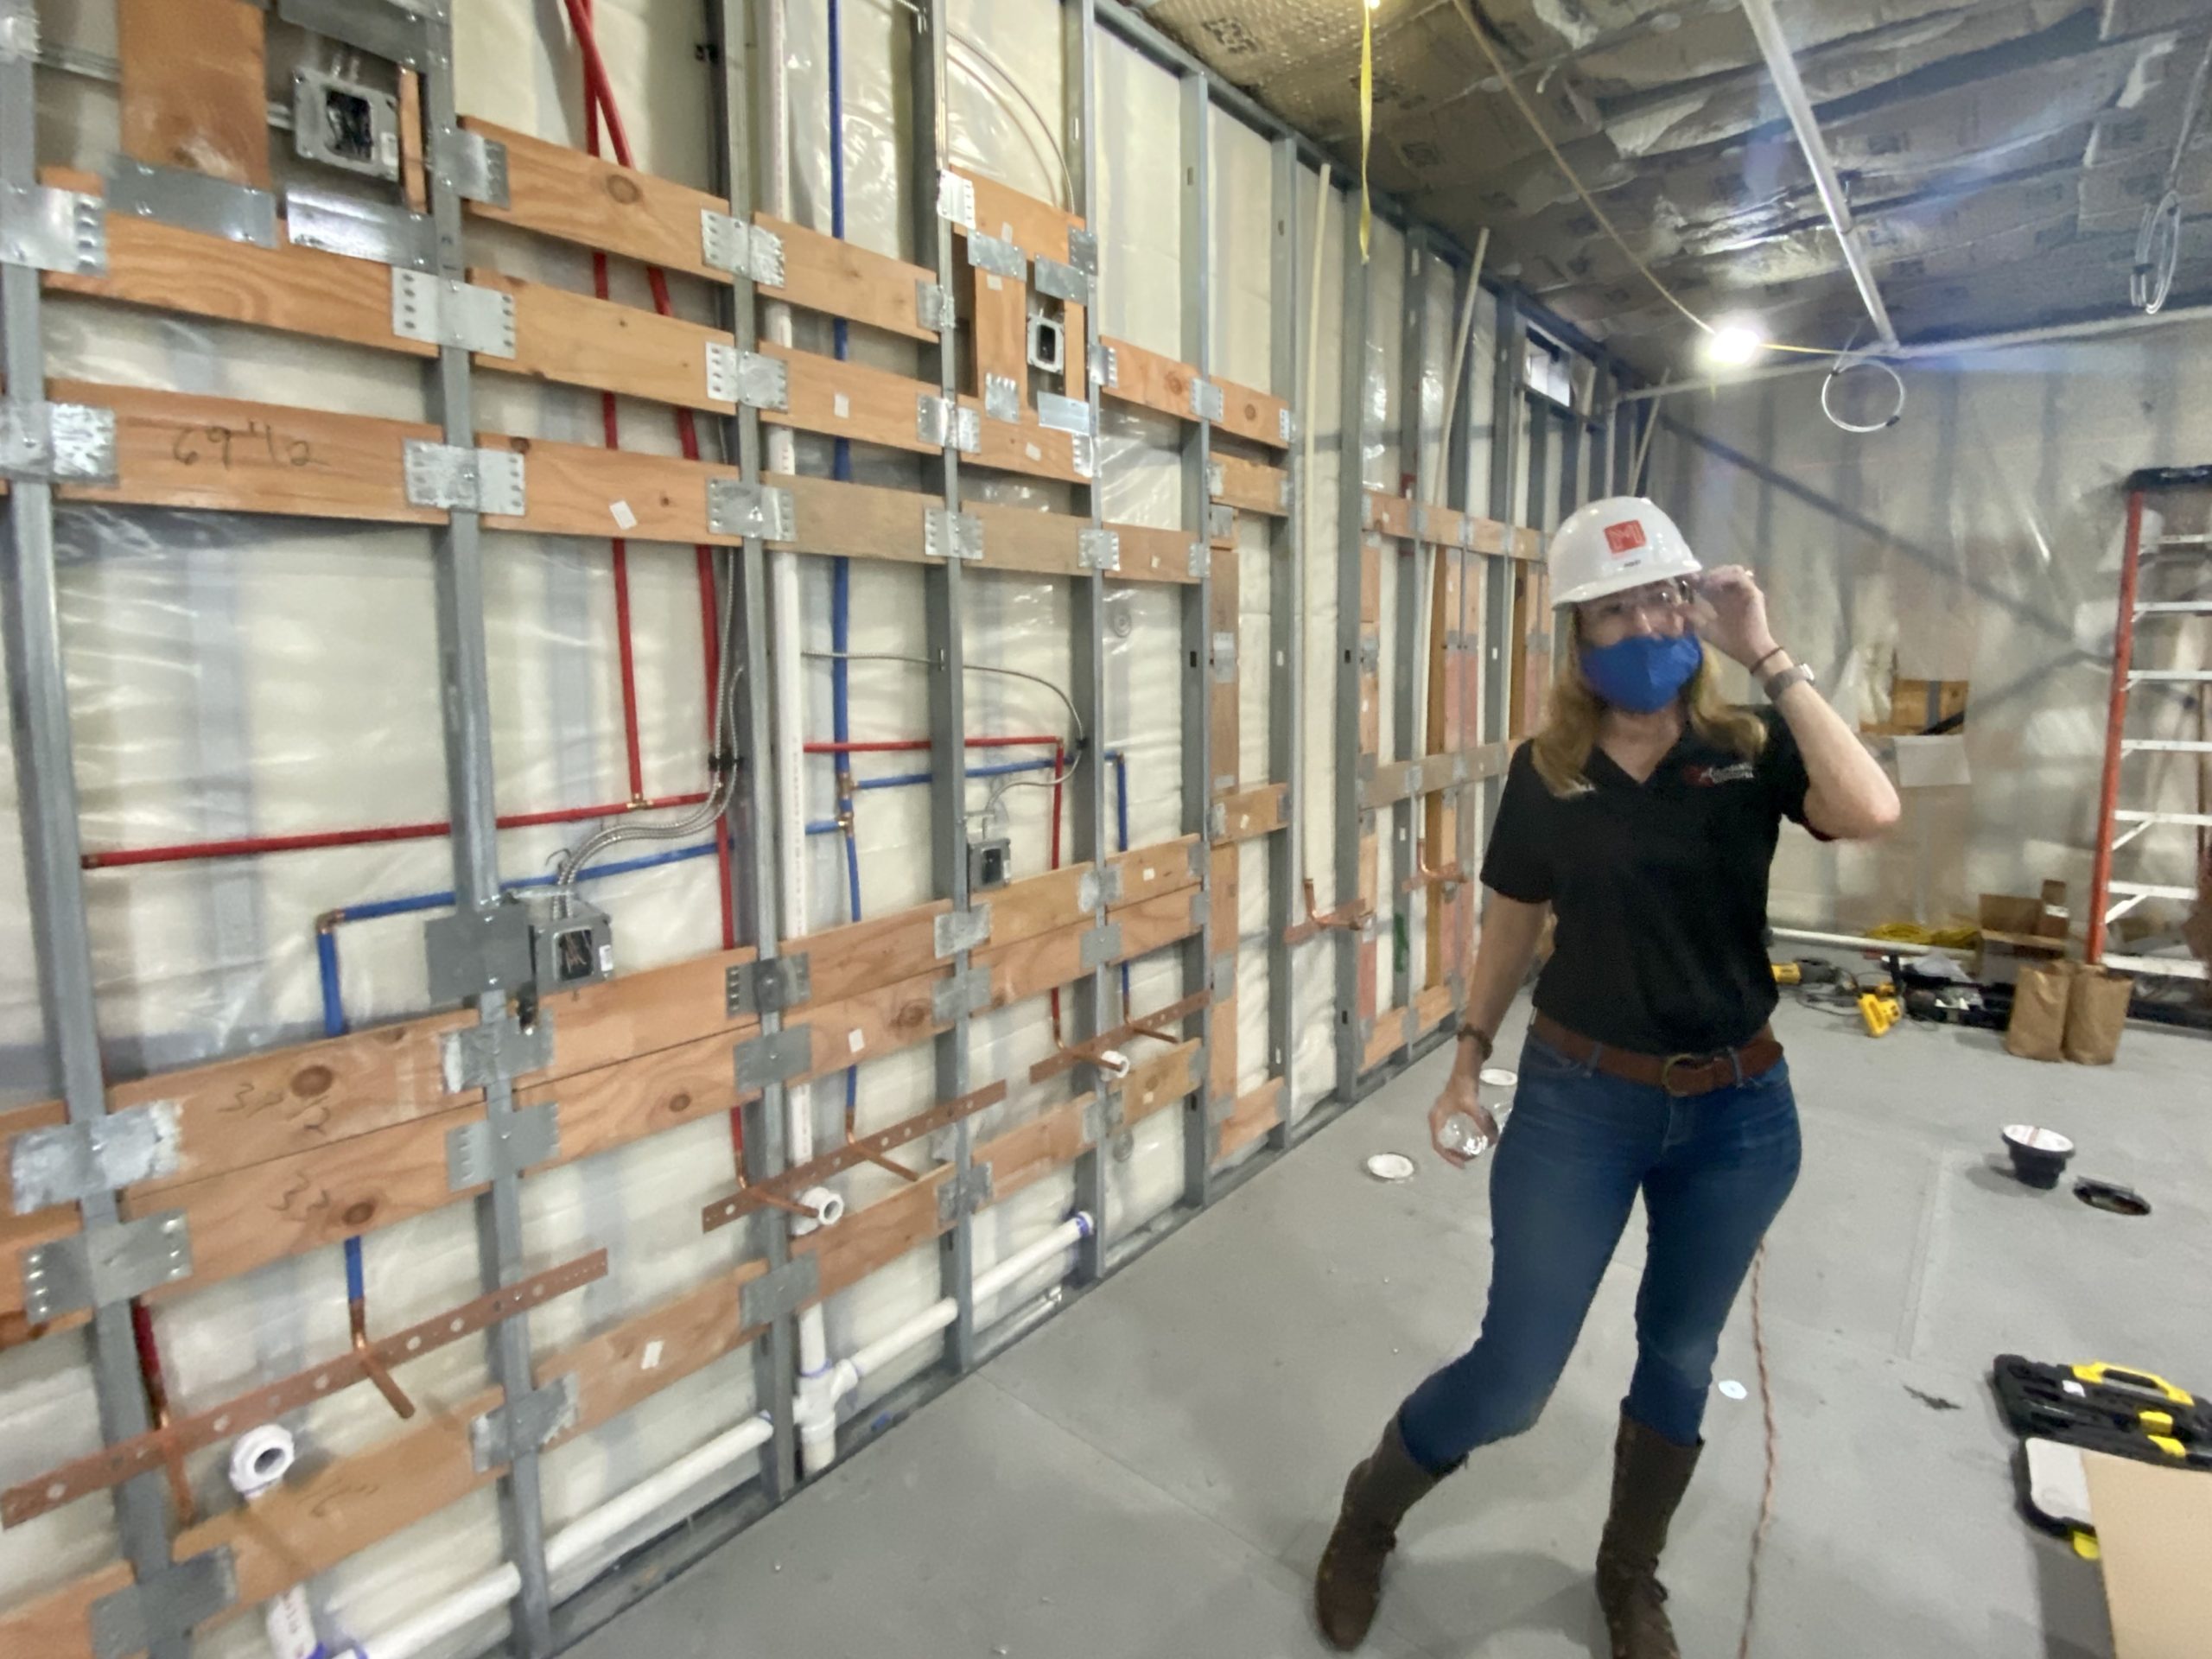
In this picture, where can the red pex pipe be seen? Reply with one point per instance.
(599, 95)
(191, 852)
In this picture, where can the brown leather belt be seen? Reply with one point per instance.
(1680, 1075)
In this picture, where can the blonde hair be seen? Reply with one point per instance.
(1561, 747)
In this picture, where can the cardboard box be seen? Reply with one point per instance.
(2154, 1535)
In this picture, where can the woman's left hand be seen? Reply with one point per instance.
(1731, 614)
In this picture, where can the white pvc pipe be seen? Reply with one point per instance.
(473, 1601)
(817, 1445)
(1306, 465)
(597, 1527)
(1843, 940)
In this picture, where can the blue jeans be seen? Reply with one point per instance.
(1713, 1170)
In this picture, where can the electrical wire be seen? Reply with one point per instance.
(1766, 1493)
(2158, 244)
(1574, 181)
(1000, 789)
(1051, 147)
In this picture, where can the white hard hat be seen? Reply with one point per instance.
(1610, 546)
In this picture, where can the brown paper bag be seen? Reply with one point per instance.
(2037, 1028)
(2096, 1012)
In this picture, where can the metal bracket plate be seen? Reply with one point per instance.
(446, 311)
(1221, 978)
(1225, 658)
(53, 443)
(1217, 822)
(1098, 549)
(1001, 398)
(1217, 478)
(397, 30)
(1201, 907)
(938, 421)
(933, 306)
(963, 929)
(1101, 945)
(1082, 251)
(18, 31)
(70, 1161)
(956, 198)
(331, 222)
(480, 1152)
(781, 1292)
(471, 166)
(1221, 522)
(464, 481)
(1106, 368)
(497, 1438)
(53, 230)
(751, 379)
(1199, 557)
(771, 987)
(737, 508)
(949, 535)
(1370, 654)
(192, 201)
(966, 1193)
(1063, 414)
(996, 255)
(471, 952)
(163, 1609)
(1206, 403)
(1061, 281)
(775, 1057)
(968, 993)
(105, 1265)
(1285, 426)
(749, 251)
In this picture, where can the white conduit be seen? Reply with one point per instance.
(817, 1449)
(1845, 941)
(595, 1529)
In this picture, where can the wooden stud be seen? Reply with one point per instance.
(1026, 447)
(1252, 485)
(1255, 416)
(196, 87)
(1249, 1119)
(579, 341)
(1254, 812)
(851, 400)
(564, 194)
(1150, 380)
(822, 273)
(298, 290)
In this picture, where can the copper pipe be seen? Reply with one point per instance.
(357, 1316)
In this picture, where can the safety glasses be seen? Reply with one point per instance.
(1656, 600)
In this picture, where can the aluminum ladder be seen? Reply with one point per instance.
(2118, 825)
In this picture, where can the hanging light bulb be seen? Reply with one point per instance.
(1733, 343)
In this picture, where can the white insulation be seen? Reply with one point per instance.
(240, 676)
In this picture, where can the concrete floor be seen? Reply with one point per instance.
(1153, 1472)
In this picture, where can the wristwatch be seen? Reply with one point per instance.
(1482, 1041)
(1780, 682)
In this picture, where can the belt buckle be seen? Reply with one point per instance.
(1666, 1073)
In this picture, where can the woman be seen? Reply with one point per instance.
(1644, 816)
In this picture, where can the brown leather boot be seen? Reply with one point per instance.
(1348, 1588)
(1650, 1473)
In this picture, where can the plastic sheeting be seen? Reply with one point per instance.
(1979, 540)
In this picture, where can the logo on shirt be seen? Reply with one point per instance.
(1625, 536)
(1740, 771)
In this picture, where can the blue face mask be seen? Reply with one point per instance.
(1642, 672)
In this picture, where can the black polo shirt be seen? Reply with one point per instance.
(1659, 888)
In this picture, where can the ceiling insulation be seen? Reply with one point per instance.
(1998, 156)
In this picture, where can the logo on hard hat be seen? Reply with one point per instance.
(1625, 536)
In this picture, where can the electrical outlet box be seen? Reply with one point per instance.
(571, 944)
(345, 124)
(1048, 344)
(988, 863)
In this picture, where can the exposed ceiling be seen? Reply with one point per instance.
(1998, 156)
